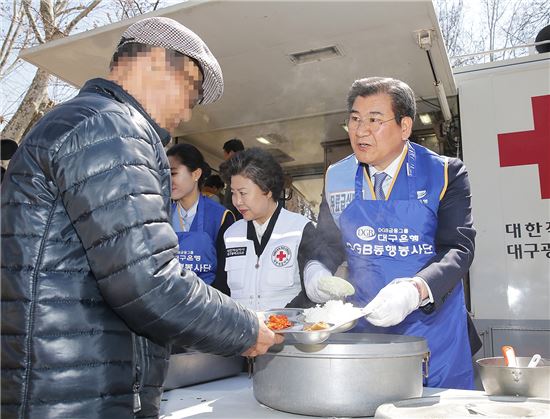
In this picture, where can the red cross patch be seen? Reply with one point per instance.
(281, 256)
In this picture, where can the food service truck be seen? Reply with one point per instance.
(287, 68)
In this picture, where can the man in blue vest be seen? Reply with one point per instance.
(400, 216)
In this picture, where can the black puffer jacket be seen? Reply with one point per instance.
(92, 291)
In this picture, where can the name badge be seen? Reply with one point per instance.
(338, 201)
(235, 251)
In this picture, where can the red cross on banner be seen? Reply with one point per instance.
(530, 147)
(281, 256)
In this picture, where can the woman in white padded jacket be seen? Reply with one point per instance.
(265, 249)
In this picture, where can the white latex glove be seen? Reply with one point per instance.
(337, 288)
(313, 272)
(321, 286)
(393, 303)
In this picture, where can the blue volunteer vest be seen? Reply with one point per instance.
(394, 238)
(197, 247)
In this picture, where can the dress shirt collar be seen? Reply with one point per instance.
(391, 170)
(260, 228)
(190, 213)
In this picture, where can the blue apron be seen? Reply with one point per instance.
(392, 239)
(197, 249)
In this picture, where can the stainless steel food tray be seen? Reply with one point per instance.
(296, 316)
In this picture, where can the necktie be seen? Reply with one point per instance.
(378, 181)
(183, 218)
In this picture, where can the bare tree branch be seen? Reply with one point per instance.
(48, 18)
(53, 19)
(30, 105)
(123, 8)
(81, 16)
(32, 22)
(70, 10)
(12, 67)
(60, 6)
(138, 7)
(495, 25)
(13, 21)
(13, 32)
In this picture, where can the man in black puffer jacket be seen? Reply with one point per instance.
(92, 291)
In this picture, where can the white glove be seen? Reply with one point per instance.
(338, 288)
(393, 303)
(321, 286)
(313, 272)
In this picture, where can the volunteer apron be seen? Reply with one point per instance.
(197, 250)
(374, 262)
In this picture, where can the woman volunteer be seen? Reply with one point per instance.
(265, 249)
(198, 221)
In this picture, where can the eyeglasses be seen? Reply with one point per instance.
(372, 123)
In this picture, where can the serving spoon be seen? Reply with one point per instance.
(534, 361)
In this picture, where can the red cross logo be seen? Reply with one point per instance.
(530, 147)
(281, 256)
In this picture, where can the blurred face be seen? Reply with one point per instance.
(167, 90)
(210, 189)
(250, 200)
(227, 154)
(182, 90)
(184, 182)
(376, 138)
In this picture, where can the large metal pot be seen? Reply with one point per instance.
(500, 380)
(350, 374)
(191, 367)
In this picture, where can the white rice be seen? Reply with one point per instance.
(333, 311)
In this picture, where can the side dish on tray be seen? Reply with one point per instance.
(278, 322)
(316, 326)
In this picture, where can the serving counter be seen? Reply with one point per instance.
(232, 398)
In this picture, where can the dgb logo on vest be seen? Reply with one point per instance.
(281, 256)
(366, 233)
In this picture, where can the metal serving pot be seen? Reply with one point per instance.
(350, 374)
(191, 367)
(500, 380)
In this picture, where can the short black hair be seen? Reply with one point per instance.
(128, 49)
(192, 158)
(233, 144)
(214, 181)
(7, 148)
(260, 167)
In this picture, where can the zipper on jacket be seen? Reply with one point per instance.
(256, 297)
(136, 387)
(137, 400)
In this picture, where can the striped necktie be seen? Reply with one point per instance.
(378, 181)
